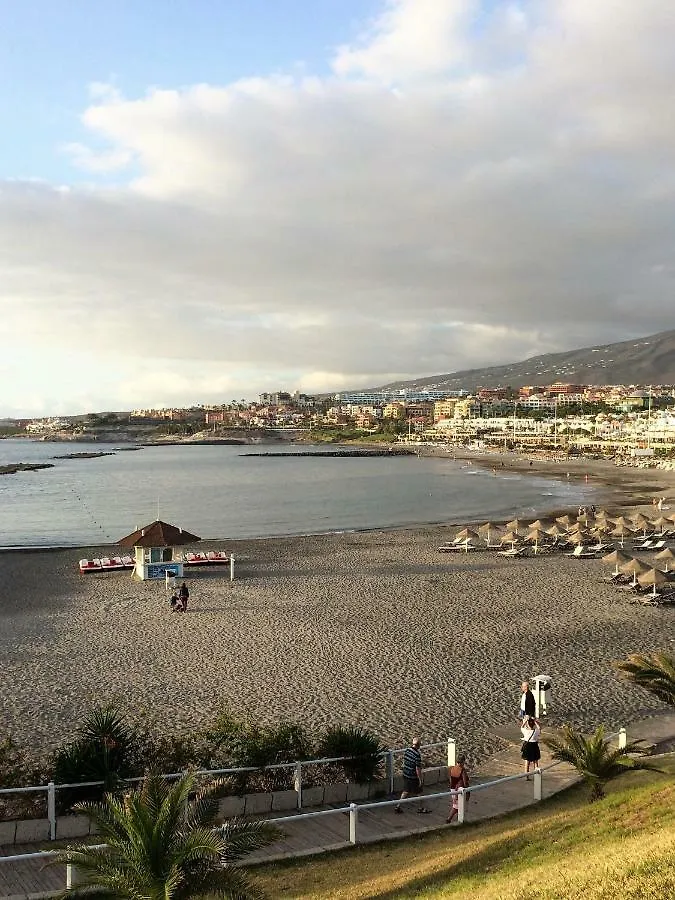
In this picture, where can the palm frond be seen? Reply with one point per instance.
(654, 672)
(242, 837)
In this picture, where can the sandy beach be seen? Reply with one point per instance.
(375, 628)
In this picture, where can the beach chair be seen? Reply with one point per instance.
(581, 552)
(645, 545)
(658, 545)
(513, 552)
(457, 548)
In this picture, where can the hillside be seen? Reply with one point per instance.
(563, 849)
(648, 360)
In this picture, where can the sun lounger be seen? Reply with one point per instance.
(90, 565)
(581, 552)
(195, 559)
(514, 551)
(658, 545)
(218, 556)
(645, 545)
(457, 548)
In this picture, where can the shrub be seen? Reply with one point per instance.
(103, 751)
(361, 745)
(17, 769)
(243, 743)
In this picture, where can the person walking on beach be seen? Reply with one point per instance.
(530, 751)
(412, 775)
(458, 778)
(528, 705)
(184, 596)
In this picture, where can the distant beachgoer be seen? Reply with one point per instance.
(530, 751)
(412, 775)
(184, 596)
(659, 505)
(528, 705)
(458, 778)
(175, 602)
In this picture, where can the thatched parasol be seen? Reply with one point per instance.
(488, 529)
(466, 534)
(514, 525)
(622, 520)
(617, 558)
(536, 536)
(662, 523)
(580, 537)
(653, 578)
(566, 520)
(511, 537)
(622, 531)
(667, 556)
(540, 523)
(556, 531)
(634, 567)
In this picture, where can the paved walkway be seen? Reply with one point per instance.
(31, 879)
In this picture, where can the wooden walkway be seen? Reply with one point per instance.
(33, 878)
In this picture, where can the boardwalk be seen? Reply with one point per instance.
(30, 878)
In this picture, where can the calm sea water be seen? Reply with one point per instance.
(216, 492)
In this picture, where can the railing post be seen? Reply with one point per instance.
(537, 784)
(353, 823)
(72, 876)
(298, 782)
(390, 770)
(623, 739)
(231, 566)
(461, 805)
(452, 751)
(51, 810)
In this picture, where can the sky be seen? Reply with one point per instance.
(200, 201)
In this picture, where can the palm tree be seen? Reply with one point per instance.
(655, 672)
(594, 758)
(160, 842)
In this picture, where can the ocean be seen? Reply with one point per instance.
(216, 492)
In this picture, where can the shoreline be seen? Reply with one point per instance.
(630, 489)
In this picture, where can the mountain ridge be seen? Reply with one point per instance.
(639, 361)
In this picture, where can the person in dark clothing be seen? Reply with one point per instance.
(184, 596)
(412, 775)
(528, 706)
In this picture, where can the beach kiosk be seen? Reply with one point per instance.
(155, 556)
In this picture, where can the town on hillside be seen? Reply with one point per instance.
(569, 418)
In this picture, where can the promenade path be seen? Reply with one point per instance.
(31, 879)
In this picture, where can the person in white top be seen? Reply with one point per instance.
(530, 751)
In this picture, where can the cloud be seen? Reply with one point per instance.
(471, 185)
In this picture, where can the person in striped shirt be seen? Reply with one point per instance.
(412, 775)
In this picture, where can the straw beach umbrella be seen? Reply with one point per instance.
(488, 529)
(511, 537)
(580, 537)
(622, 532)
(642, 523)
(662, 523)
(653, 578)
(539, 524)
(466, 534)
(536, 536)
(618, 559)
(566, 520)
(514, 525)
(556, 531)
(622, 520)
(667, 556)
(634, 567)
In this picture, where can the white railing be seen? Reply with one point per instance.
(353, 808)
(389, 757)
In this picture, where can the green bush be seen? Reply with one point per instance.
(244, 743)
(361, 745)
(103, 751)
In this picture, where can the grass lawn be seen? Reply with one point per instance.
(562, 849)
